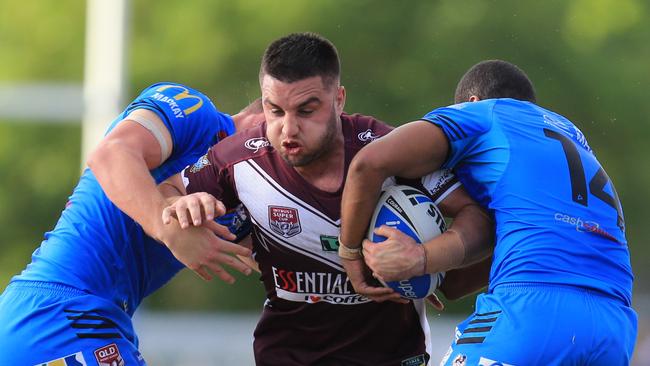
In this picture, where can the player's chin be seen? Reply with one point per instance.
(296, 160)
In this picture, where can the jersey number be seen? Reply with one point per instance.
(579, 182)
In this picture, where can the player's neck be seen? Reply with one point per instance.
(326, 172)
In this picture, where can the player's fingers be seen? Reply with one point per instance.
(232, 248)
(221, 273)
(379, 277)
(208, 206)
(194, 208)
(368, 249)
(202, 272)
(219, 230)
(393, 296)
(365, 289)
(401, 300)
(220, 208)
(235, 263)
(387, 231)
(435, 302)
(182, 214)
(367, 244)
(167, 214)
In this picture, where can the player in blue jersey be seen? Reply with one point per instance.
(561, 281)
(73, 303)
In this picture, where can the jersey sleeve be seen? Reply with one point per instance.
(463, 124)
(440, 184)
(205, 176)
(211, 175)
(238, 221)
(193, 121)
(437, 185)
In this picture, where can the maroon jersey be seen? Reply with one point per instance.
(312, 316)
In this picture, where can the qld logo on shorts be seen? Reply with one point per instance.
(109, 356)
(284, 221)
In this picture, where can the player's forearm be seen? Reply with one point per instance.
(362, 188)
(125, 178)
(469, 239)
(467, 280)
(172, 188)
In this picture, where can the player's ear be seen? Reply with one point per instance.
(474, 98)
(340, 99)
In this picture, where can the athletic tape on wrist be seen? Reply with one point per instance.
(346, 252)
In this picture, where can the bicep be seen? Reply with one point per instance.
(410, 151)
(455, 201)
(144, 133)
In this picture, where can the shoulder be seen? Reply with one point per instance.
(176, 101)
(361, 129)
(464, 120)
(247, 144)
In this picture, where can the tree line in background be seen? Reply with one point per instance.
(587, 58)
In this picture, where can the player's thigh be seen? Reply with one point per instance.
(523, 328)
(616, 333)
(41, 327)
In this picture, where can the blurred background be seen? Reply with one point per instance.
(589, 60)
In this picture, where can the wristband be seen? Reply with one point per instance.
(348, 253)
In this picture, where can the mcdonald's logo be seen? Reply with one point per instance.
(184, 94)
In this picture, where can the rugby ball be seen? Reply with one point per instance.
(413, 213)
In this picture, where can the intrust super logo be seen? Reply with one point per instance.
(284, 221)
(314, 287)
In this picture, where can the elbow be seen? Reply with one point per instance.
(96, 156)
(366, 164)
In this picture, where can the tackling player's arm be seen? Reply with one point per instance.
(477, 227)
(121, 164)
(411, 151)
(467, 280)
(199, 210)
(468, 240)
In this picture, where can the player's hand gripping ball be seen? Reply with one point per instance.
(413, 213)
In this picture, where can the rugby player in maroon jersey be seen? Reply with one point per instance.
(289, 174)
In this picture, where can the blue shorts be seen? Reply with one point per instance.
(56, 325)
(545, 324)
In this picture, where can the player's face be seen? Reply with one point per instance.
(303, 117)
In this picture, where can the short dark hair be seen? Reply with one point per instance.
(299, 56)
(495, 79)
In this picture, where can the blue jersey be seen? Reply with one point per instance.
(558, 217)
(97, 248)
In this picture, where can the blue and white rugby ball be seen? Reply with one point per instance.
(413, 213)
